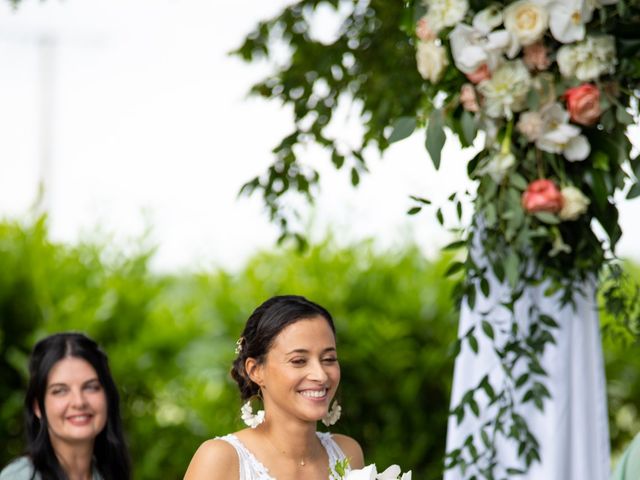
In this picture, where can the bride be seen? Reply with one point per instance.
(286, 357)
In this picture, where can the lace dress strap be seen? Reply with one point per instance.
(334, 451)
(250, 467)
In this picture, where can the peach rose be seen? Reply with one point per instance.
(583, 104)
(480, 74)
(542, 196)
(468, 98)
(424, 31)
(535, 56)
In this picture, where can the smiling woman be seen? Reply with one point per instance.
(72, 411)
(287, 359)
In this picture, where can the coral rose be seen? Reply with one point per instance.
(583, 104)
(542, 196)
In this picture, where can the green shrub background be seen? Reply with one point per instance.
(170, 340)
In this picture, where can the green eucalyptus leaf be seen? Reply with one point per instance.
(518, 181)
(355, 177)
(511, 268)
(469, 127)
(402, 128)
(623, 116)
(487, 329)
(454, 268)
(547, 217)
(595, 179)
(634, 191)
(435, 137)
(473, 343)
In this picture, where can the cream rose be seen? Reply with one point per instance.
(574, 203)
(506, 91)
(526, 20)
(530, 125)
(445, 13)
(589, 59)
(432, 60)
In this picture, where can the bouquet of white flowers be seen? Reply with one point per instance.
(341, 471)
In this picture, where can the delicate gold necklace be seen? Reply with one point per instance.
(300, 462)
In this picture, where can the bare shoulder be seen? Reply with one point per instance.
(213, 460)
(351, 449)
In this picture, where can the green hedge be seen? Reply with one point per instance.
(170, 340)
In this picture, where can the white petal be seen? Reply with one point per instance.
(500, 39)
(487, 19)
(562, 24)
(577, 149)
(390, 473)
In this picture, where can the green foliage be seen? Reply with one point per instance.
(369, 60)
(170, 341)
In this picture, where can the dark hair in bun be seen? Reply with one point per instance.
(263, 326)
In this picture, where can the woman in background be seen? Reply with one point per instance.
(287, 359)
(73, 425)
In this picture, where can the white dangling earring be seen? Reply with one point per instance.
(333, 415)
(249, 418)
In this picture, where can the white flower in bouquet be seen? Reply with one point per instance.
(487, 19)
(445, 13)
(471, 48)
(558, 136)
(431, 60)
(530, 124)
(506, 91)
(498, 166)
(526, 20)
(588, 59)
(370, 473)
(574, 203)
(567, 19)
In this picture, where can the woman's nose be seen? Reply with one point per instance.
(78, 399)
(318, 372)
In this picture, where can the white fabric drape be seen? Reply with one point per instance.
(573, 429)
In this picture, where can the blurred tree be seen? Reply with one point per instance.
(170, 341)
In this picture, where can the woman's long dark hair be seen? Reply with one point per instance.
(111, 456)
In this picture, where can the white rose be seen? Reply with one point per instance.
(506, 91)
(445, 13)
(526, 20)
(574, 203)
(432, 60)
(589, 59)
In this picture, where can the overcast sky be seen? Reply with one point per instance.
(150, 126)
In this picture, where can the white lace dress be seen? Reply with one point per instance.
(252, 469)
